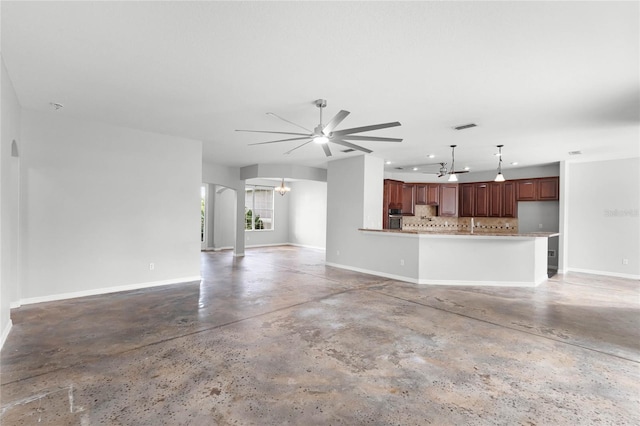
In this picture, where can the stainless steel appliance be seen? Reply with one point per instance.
(395, 219)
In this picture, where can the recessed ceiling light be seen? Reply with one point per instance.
(467, 168)
(514, 163)
(415, 169)
(387, 162)
(431, 156)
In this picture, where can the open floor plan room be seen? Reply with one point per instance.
(278, 337)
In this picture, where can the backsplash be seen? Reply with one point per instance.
(425, 219)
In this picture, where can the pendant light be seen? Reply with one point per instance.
(283, 189)
(452, 173)
(499, 176)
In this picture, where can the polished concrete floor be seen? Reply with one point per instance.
(277, 338)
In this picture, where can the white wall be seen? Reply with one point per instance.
(602, 221)
(229, 177)
(541, 216)
(100, 203)
(308, 214)
(9, 201)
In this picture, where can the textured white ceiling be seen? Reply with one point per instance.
(542, 78)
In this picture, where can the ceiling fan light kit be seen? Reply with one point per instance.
(322, 134)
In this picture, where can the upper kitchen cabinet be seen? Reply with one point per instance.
(448, 200)
(467, 199)
(481, 199)
(392, 194)
(527, 190)
(509, 205)
(427, 194)
(542, 189)
(421, 194)
(433, 194)
(496, 199)
(408, 199)
(548, 189)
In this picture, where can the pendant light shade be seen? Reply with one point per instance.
(282, 189)
(452, 178)
(499, 176)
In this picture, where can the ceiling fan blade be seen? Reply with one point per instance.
(365, 128)
(278, 133)
(299, 146)
(327, 151)
(290, 122)
(351, 145)
(280, 140)
(335, 121)
(457, 172)
(371, 138)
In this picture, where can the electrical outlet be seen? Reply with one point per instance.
(507, 225)
(337, 252)
(401, 262)
(625, 261)
(540, 226)
(152, 266)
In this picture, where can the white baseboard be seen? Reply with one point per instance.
(440, 282)
(14, 305)
(307, 246)
(376, 273)
(106, 290)
(605, 273)
(266, 245)
(5, 333)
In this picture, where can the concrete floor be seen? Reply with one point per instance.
(277, 338)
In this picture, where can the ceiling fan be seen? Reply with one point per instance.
(322, 134)
(443, 168)
(420, 168)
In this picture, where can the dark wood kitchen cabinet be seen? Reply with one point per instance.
(392, 194)
(541, 189)
(481, 200)
(526, 190)
(448, 200)
(433, 194)
(408, 199)
(548, 189)
(496, 197)
(427, 194)
(509, 205)
(467, 199)
(421, 194)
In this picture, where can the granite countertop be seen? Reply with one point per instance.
(466, 233)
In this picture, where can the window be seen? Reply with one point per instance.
(258, 211)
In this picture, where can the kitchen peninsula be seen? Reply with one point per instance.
(466, 258)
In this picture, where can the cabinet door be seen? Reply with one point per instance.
(527, 190)
(408, 199)
(421, 194)
(467, 199)
(448, 200)
(481, 207)
(433, 194)
(548, 189)
(496, 193)
(509, 205)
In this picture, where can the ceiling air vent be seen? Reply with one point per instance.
(348, 150)
(575, 152)
(465, 126)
